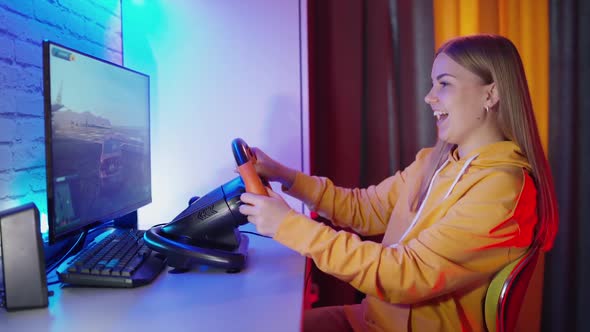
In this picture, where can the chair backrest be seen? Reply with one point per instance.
(507, 290)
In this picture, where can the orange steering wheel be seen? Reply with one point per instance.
(246, 160)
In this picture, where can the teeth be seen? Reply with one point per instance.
(439, 114)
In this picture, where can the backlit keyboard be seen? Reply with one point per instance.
(120, 259)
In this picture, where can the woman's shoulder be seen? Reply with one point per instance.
(507, 179)
(506, 172)
(424, 153)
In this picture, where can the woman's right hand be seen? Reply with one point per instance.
(272, 170)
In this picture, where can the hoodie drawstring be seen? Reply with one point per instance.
(467, 163)
(457, 178)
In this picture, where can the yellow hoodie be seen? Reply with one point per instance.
(433, 267)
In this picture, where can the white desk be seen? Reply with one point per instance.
(266, 296)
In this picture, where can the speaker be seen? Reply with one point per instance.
(22, 259)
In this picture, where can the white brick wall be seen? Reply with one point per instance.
(90, 26)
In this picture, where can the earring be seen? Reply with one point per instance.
(487, 109)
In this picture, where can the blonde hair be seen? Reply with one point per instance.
(495, 59)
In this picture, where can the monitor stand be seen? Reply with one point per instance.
(127, 221)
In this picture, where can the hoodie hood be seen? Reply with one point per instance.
(499, 154)
(504, 153)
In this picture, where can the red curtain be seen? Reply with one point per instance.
(364, 125)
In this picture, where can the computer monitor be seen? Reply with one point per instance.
(97, 140)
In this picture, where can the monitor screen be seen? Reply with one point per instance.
(97, 135)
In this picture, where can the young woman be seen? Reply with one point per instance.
(452, 219)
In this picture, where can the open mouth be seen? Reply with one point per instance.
(440, 115)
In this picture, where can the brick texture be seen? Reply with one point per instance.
(91, 26)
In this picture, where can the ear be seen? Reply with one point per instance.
(492, 96)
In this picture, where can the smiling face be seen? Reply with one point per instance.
(458, 99)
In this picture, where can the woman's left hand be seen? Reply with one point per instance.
(266, 212)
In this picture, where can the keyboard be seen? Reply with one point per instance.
(121, 259)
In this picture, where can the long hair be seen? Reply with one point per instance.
(495, 59)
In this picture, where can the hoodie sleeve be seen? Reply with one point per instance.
(468, 245)
(367, 210)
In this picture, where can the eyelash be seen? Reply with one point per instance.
(443, 83)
